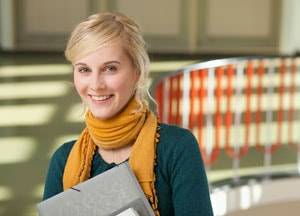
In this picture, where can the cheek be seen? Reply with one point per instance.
(126, 86)
(76, 82)
(117, 85)
(121, 83)
(79, 84)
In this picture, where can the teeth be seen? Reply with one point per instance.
(100, 98)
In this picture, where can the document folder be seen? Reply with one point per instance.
(108, 194)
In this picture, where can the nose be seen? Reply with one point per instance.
(97, 82)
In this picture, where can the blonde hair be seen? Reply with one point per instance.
(102, 28)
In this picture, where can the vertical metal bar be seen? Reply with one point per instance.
(186, 99)
(269, 119)
(166, 91)
(237, 121)
(209, 111)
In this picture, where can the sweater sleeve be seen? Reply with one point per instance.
(53, 184)
(190, 191)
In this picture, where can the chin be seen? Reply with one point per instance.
(102, 116)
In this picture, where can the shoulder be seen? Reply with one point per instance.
(173, 134)
(53, 184)
(180, 164)
(174, 141)
(64, 149)
(174, 130)
(61, 154)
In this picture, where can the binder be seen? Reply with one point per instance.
(128, 212)
(111, 193)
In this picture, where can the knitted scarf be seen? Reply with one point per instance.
(135, 124)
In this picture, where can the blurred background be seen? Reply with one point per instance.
(39, 109)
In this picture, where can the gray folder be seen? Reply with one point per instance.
(107, 194)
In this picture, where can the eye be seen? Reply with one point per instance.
(83, 70)
(110, 68)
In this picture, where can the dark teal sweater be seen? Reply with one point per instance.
(181, 182)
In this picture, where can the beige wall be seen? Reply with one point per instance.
(202, 26)
(235, 18)
(290, 30)
(45, 25)
(52, 17)
(145, 12)
(7, 31)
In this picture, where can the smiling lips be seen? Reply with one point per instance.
(100, 97)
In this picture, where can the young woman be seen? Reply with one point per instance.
(110, 64)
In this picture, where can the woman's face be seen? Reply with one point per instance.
(105, 80)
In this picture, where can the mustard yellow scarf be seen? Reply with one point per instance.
(135, 124)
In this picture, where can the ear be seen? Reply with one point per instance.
(137, 75)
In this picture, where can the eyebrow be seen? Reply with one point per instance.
(105, 63)
(77, 64)
(110, 62)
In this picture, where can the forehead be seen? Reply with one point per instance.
(112, 51)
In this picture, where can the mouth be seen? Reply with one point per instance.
(100, 98)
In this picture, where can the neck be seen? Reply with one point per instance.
(115, 155)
